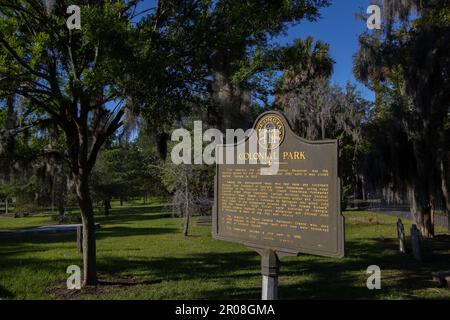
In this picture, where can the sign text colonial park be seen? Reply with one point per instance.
(296, 210)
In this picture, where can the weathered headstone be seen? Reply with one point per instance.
(401, 236)
(294, 211)
(416, 243)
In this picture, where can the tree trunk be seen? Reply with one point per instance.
(61, 208)
(423, 187)
(59, 191)
(231, 98)
(186, 223)
(445, 192)
(432, 217)
(363, 188)
(89, 245)
(121, 201)
(106, 206)
(186, 211)
(322, 127)
(421, 210)
(6, 206)
(52, 204)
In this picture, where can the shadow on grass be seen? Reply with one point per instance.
(5, 294)
(158, 208)
(123, 214)
(17, 240)
(346, 278)
(117, 215)
(18, 243)
(304, 277)
(323, 278)
(109, 232)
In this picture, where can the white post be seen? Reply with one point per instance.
(270, 265)
(269, 288)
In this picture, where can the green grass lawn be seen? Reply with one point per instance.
(142, 255)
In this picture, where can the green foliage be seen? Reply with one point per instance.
(124, 171)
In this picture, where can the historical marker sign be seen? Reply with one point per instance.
(296, 210)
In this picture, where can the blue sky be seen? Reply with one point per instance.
(340, 28)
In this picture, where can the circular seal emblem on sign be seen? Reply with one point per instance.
(270, 130)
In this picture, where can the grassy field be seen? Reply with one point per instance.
(142, 255)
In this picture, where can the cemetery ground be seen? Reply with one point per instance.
(143, 255)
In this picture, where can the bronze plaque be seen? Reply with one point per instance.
(297, 209)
